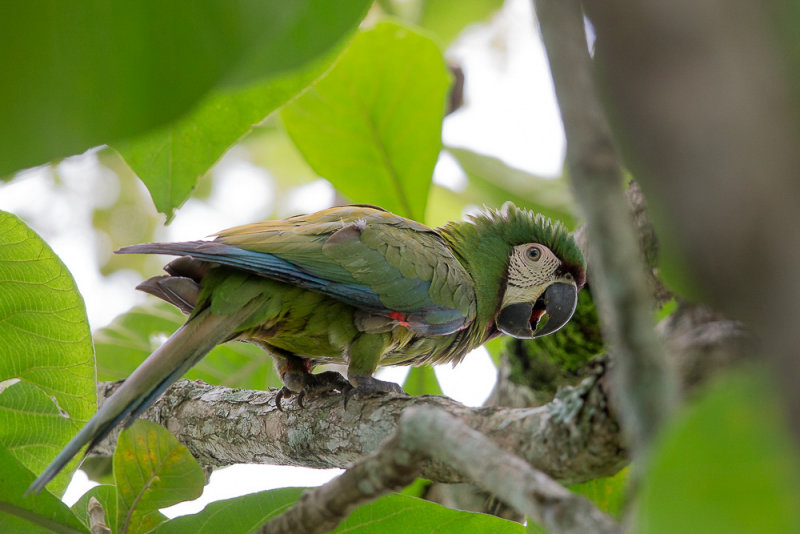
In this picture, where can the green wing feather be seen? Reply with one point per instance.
(406, 263)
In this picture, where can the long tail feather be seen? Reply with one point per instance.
(168, 363)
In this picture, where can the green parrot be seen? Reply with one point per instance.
(356, 285)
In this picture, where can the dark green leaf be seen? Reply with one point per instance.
(35, 513)
(133, 336)
(152, 470)
(240, 515)
(77, 75)
(727, 465)
(47, 388)
(170, 160)
(372, 126)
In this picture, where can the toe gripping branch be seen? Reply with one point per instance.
(305, 384)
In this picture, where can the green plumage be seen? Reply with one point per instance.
(355, 285)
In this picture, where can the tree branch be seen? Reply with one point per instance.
(573, 439)
(618, 275)
(432, 433)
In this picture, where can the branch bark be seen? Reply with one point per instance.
(618, 276)
(573, 439)
(432, 433)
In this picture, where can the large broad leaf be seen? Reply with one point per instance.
(492, 182)
(34, 513)
(240, 515)
(372, 126)
(131, 337)
(76, 75)
(47, 387)
(727, 465)
(393, 513)
(170, 160)
(410, 515)
(152, 470)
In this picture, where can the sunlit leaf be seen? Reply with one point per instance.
(372, 125)
(152, 470)
(35, 513)
(240, 515)
(77, 75)
(47, 388)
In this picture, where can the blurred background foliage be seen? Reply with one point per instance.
(255, 164)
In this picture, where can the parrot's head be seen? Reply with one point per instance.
(541, 292)
(527, 269)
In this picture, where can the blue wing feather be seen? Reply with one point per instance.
(430, 320)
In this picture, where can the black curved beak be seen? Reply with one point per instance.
(535, 319)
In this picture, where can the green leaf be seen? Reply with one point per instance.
(152, 470)
(410, 515)
(534, 528)
(393, 513)
(106, 494)
(607, 493)
(422, 381)
(372, 125)
(240, 515)
(124, 344)
(492, 182)
(35, 513)
(418, 488)
(447, 18)
(47, 387)
(77, 75)
(728, 464)
(170, 160)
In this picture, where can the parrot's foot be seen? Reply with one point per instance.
(368, 385)
(306, 384)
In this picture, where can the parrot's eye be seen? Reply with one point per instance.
(534, 253)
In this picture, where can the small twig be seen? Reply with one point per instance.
(618, 276)
(434, 433)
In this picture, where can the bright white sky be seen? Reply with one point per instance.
(510, 112)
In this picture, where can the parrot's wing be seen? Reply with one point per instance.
(374, 260)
